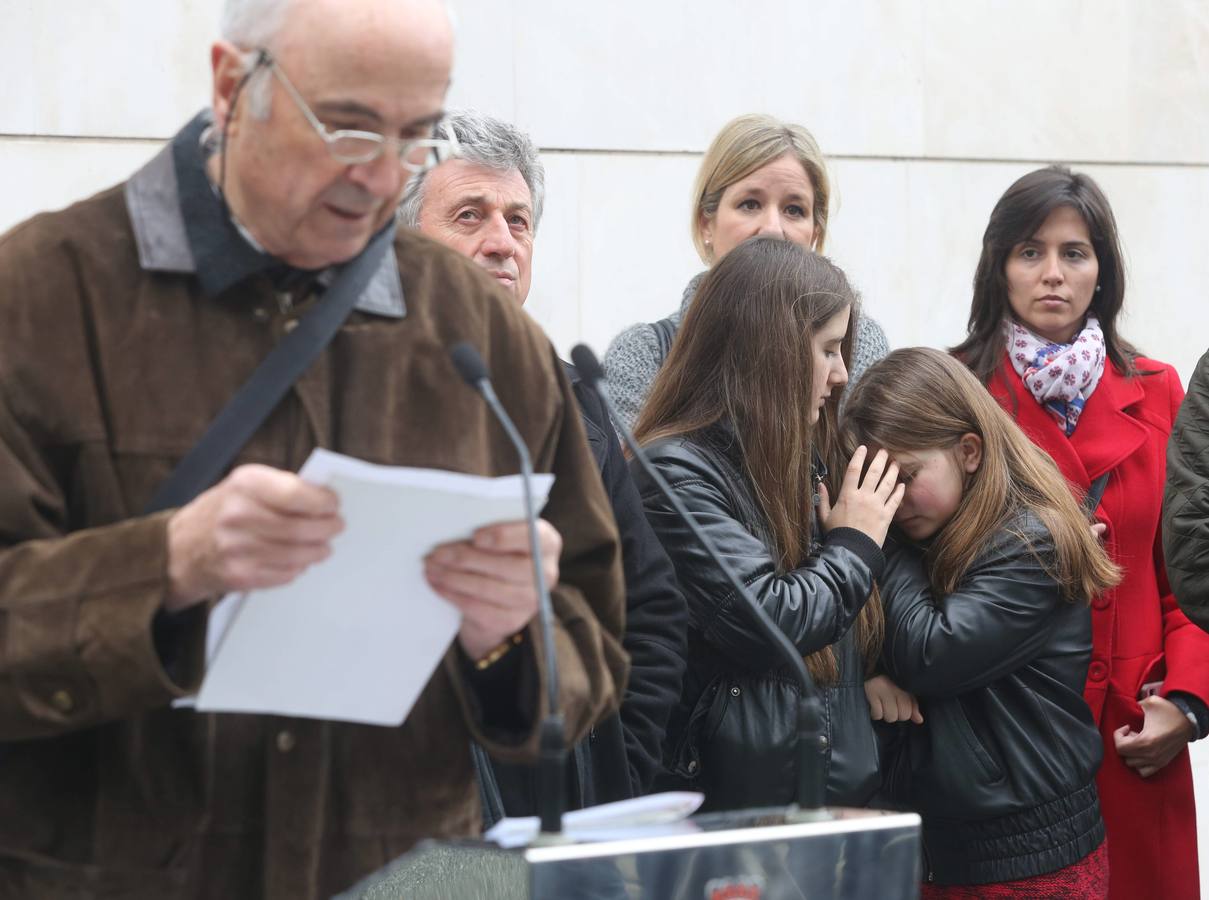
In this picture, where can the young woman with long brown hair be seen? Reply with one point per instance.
(1044, 338)
(990, 569)
(741, 422)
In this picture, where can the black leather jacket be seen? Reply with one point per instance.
(1002, 769)
(733, 733)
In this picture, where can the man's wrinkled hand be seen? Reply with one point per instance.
(259, 527)
(490, 579)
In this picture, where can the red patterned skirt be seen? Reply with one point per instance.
(1085, 880)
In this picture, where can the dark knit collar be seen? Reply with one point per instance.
(222, 255)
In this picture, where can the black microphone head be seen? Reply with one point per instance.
(468, 363)
(587, 364)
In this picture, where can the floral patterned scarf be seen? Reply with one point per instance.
(1059, 376)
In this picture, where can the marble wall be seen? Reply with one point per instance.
(927, 108)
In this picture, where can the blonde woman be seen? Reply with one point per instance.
(759, 177)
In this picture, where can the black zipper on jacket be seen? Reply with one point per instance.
(818, 473)
(929, 875)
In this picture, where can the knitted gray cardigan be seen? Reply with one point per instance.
(633, 358)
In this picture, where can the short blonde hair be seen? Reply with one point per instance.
(744, 145)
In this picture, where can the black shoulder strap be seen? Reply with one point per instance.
(260, 394)
(490, 798)
(665, 333)
(1092, 501)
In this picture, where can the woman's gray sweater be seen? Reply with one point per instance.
(633, 358)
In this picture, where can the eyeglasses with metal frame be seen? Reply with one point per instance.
(352, 147)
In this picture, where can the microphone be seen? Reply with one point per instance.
(812, 740)
(552, 752)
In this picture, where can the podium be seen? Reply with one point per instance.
(760, 854)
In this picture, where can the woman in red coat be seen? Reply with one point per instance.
(1043, 338)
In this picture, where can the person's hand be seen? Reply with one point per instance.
(489, 578)
(1165, 732)
(890, 703)
(259, 527)
(867, 504)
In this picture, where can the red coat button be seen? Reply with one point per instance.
(1097, 671)
(1103, 601)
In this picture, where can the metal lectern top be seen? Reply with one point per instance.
(768, 854)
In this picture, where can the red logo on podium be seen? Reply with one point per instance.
(742, 887)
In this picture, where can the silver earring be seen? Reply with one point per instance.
(1097, 288)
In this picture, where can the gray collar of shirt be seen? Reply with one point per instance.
(209, 245)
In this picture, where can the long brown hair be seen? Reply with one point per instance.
(743, 356)
(923, 399)
(1022, 210)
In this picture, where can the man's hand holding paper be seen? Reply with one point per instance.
(259, 527)
(262, 527)
(418, 558)
(489, 578)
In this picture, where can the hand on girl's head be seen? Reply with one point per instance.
(866, 502)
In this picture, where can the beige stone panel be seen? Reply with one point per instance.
(484, 63)
(1168, 117)
(554, 293)
(635, 254)
(1163, 217)
(1089, 80)
(18, 71)
(908, 235)
(665, 76)
(139, 68)
(124, 68)
(1101, 80)
(1109, 80)
(39, 175)
(1199, 753)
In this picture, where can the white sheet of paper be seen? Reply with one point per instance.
(650, 816)
(356, 637)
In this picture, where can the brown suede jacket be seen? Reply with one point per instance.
(110, 368)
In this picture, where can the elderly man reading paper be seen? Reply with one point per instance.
(127, 322)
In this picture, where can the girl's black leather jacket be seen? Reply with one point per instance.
(733, 732)
(1002, 769)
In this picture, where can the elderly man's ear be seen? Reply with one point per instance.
(228, 67)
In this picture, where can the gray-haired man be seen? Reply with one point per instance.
(127, 321)
(487, 204)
